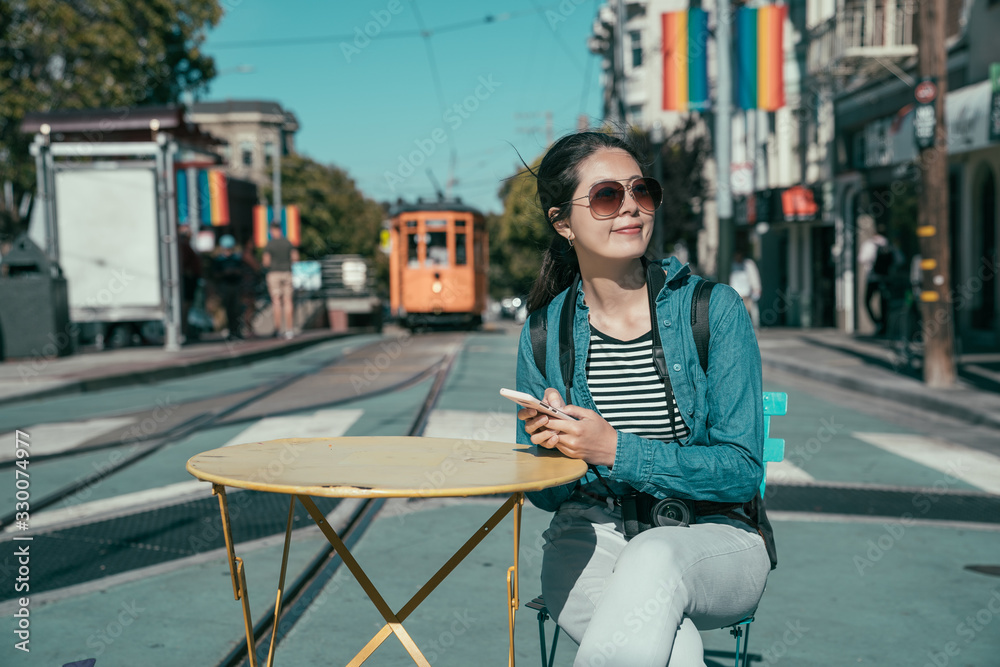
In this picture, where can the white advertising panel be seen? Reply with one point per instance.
(109, 245)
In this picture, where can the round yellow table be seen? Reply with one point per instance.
(381, 467)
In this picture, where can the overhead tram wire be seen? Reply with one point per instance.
(559, 40)
(439, 88)
(399, 34)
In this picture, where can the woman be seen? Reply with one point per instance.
(639, 601)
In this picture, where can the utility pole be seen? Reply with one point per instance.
(932, 218)
(619, 62)
(723, 139)
(276, 177)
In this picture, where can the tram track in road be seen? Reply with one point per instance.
(143, 446)
(308, 586)
(79, 550)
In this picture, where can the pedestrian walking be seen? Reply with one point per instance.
(190, 263)
(227, 274)
(878, 258)
(744, 277)
(629, 591)
(250, 284)
(278, 257)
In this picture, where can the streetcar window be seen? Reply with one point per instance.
(437, 248)
(413, 250)
(460, 259)
(460, 223)
(411, 223)
(436, 223)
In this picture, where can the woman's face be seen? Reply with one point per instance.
(626, 234)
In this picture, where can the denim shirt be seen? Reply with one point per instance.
(721, 459)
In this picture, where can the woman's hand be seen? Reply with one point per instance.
(590, 438)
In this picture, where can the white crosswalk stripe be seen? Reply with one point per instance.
(322, 424)
(63, 436)
(784, 472)
(978, 468)
(471, 425)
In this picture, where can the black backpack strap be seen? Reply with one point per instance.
(655, 280)
(567, 347)
(538, 329)
(699, 320)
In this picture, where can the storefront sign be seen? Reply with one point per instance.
(968, 117)
(924, 116)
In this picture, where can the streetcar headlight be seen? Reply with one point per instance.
(436, 287)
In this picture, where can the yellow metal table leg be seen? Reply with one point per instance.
(237, 573)
(512, 575)
(281, 581)
(366, 583)
(438, 577)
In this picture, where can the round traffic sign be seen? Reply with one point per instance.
(925, 92)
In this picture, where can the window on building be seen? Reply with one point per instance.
(635, 114)
(636, 39)
(268, 153)
(246, 153)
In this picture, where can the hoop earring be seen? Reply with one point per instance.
(570, 242)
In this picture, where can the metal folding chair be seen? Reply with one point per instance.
(775, 405)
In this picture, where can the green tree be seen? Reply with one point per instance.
(79, 54)
(685, 187)
(519, 237)
(336, 218)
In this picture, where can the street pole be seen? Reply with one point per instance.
(932, 218)
(619, 68)
(723, 140)
(659, 224)
(276, 178)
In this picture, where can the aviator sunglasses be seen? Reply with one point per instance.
(606, 197)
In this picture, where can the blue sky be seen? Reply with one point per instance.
(374, 107)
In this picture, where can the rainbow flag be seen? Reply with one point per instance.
(759, 72)
(291, 225)
(685, 60)
(182, 197)
(213, 197)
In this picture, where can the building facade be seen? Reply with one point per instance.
(767, 158)
(251, 130)
(812, 180)
(871, 74)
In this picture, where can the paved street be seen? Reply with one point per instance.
(885, 514)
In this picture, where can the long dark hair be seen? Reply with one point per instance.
(558, 177)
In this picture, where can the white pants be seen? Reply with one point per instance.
(641, 603)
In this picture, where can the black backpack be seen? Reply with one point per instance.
(885, 259)
(655, 280)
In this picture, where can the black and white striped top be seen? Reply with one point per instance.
(627, 391)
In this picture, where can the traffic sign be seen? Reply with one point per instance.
(926, 91)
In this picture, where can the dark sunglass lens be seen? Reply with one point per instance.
(606, 198)
(648, 193)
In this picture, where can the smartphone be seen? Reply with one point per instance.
(529, 401)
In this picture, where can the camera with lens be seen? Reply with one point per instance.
(641, 511)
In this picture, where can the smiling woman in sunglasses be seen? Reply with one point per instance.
(660, 538)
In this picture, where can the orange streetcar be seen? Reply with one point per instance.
(438, 264)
